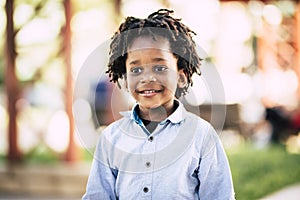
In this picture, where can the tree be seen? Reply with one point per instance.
(71, 154)
(11, 83)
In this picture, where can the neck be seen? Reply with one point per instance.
(158, 113)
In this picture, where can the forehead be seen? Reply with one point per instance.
(148, 42)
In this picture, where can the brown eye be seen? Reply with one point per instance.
(136, 70)
(160, 68)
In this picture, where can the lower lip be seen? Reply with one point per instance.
(148, 94)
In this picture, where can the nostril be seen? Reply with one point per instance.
(148, 79)
(152, 79)
(142, 80)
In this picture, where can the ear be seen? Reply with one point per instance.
(182, 79)
(122, 83)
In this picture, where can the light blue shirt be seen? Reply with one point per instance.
(182, 158)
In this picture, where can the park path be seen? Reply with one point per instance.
(288, 193)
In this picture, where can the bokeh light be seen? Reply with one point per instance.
(230, 33)
(57, 134)
(251, 45)
(272, 14)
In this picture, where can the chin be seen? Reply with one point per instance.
(151, 106)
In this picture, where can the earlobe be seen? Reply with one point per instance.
(122, 83)
(182, 79)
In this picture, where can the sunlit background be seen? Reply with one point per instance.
(254, 46)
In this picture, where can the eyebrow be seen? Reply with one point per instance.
(157, 59)
(134, 62)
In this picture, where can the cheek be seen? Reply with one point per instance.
(172, 79)
(170, 83)
(131, 83)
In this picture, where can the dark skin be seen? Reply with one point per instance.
(152, 77)
(157, 24)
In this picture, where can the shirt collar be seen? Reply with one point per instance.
(176, 117)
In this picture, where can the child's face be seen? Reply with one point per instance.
(152, 73)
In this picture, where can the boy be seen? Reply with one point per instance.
(158, 150)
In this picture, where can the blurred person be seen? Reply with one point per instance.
(295, 119)
(284, 122)
(158, 150)
(279, 121)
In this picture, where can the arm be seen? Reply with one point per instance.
(102, 178)
(214, 171)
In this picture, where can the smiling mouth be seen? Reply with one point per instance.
(149, 93)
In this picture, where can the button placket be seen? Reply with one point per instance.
(149, 151)
(147, 184)
(146, 189)
(148, 162)
(150, 139)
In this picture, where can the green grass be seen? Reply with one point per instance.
(44, 155)
(41, 154)
(259, 172)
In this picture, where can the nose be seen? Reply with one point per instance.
(148, 77)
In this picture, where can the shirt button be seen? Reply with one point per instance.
(150, 139)
(145, 189)
(148, 164)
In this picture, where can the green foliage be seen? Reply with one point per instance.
(2, 158)
(87, 155)
(41, 154)
(259, 172)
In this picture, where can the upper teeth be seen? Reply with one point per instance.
(149, 91)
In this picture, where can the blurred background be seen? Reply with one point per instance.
(53, 106)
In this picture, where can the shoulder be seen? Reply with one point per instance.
(112, 134)
(195, 120)
(204, 133)
(115, 126)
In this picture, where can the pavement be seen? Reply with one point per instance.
(288, 193)
(50, 181)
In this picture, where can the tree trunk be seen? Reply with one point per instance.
(11, 84)
(72, 151)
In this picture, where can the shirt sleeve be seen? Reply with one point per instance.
(102, 177)
(214, 172)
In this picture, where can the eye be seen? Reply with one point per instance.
(136, 70)
(159, 68)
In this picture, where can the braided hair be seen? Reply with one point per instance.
(159, 23)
